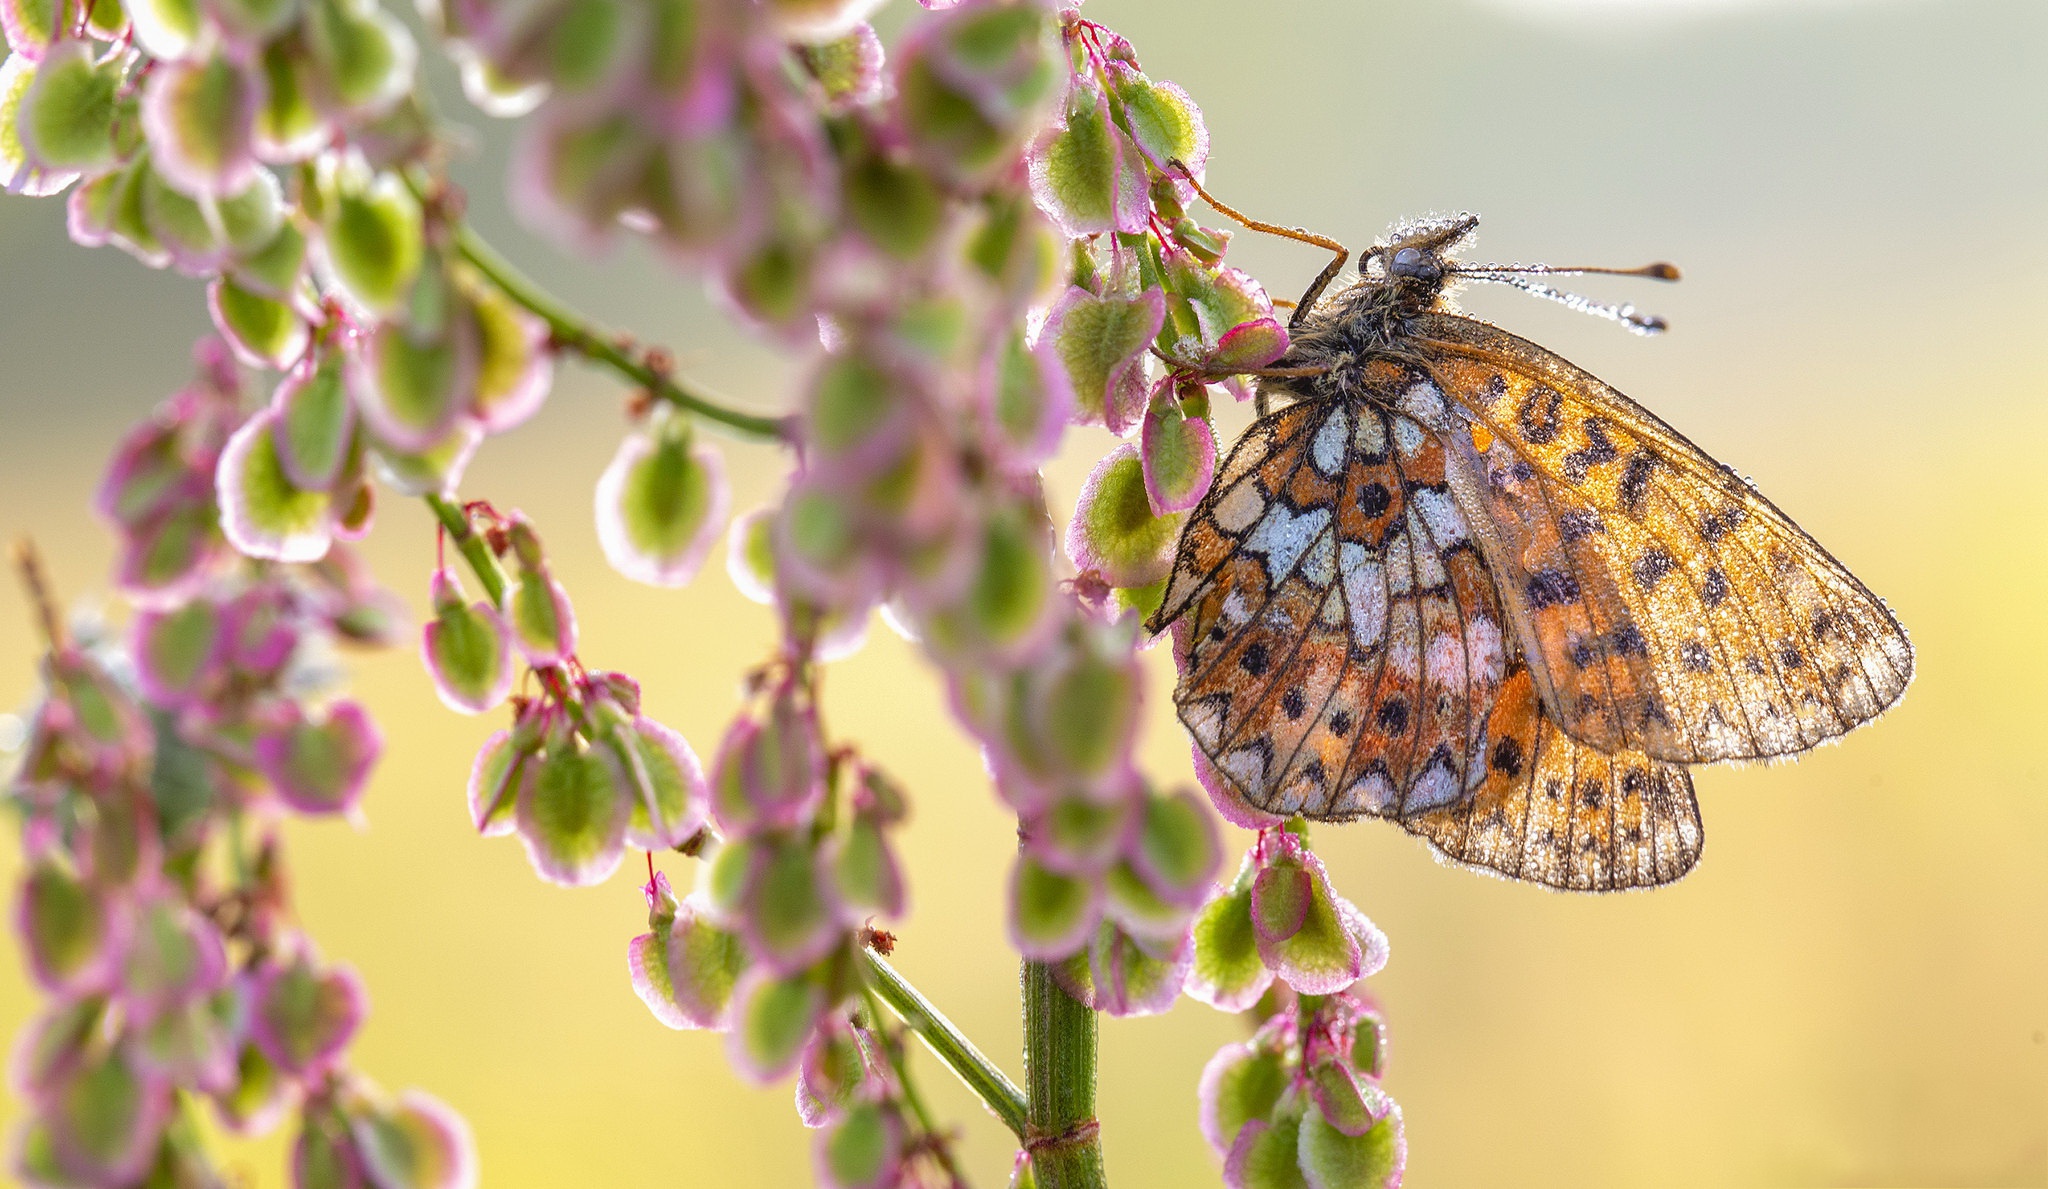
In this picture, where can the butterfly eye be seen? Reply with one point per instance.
(1415, 264)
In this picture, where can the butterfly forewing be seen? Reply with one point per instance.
(1665, 606)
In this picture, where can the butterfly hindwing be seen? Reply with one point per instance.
(1338, 638)
(1554, 811)
(1666, 607)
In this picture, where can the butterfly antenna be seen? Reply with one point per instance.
(1519, 276)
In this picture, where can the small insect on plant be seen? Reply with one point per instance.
(1459, 583)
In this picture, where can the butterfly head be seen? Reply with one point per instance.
(1416, 260)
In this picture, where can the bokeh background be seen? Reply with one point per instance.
(1852, 989)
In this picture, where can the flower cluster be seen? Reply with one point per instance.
(158, 926)
(580, 774)
(769, 948)
(262, 145)
(1302, 1098)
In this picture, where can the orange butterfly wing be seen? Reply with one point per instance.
(1664, 605)
(1340, 642)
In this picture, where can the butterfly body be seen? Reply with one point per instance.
(1463, 585)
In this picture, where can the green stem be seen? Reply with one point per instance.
(1059, 1072)
(475, 550)
(934, 1140)
(949, 1044)
(574, 334)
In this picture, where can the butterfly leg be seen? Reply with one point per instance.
(1300, 235)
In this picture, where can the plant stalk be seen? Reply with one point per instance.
(948, 1044)
(1064, 1140)
(573, 334)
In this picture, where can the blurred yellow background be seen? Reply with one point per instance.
(1851, 990)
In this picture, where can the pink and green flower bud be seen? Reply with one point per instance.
(364, 54)
(515, 365)
(259, 1097)
(1229, 974)
(262, 631)
(858, 413)
(1086, 175)
(1115, 531)
(19, 173)
(54, 1043)
(1133, 976)
(32, 26)
(863, 1150)
(1332, 1158)
(1027, 400)
(894, 205)
(773, 1017)
(373, 240)
(1101, 342)
(1081, 835)
(1240, 1084)
(1137, 908)
(192, 1044)
(321, 766)
(1009, 604)
(105, 1118)
(303, 1016)
(290, 126)
(324, 1155)
(661, 768)
(73, 932)
(166, 29)
(200, 118)
(787, 912)
(262, 512)
(543, 621)
(1052, 915)
(1179, 453)
(178, 652)
(833, 1071)
(750, 555)
(416, 1143)
(174, 956)
(1177, 851)
(264, 332)
(1235, 328)
(866, 879)
(660, 503)
(572, 815)
(1312, 938)
(770, 772)
(1162, 120)
(467, 648)
(315, 424)
(1346, 1101)
(847, 68)
(685, 970)
(970, 84)
(66, 117)
(412, 387)
(1267, 1152)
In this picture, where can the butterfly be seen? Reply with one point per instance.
(1460, 583)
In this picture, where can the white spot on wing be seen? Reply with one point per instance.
(1446, 659)
(1365, 589)
(1327, 451)
(1408, 436)
(1283, 536)
(1440, 512)
(1372, 435)
(1239, 507)
(1434, 788)
(1423, 402)
(1320, 566)
(1247, 766)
